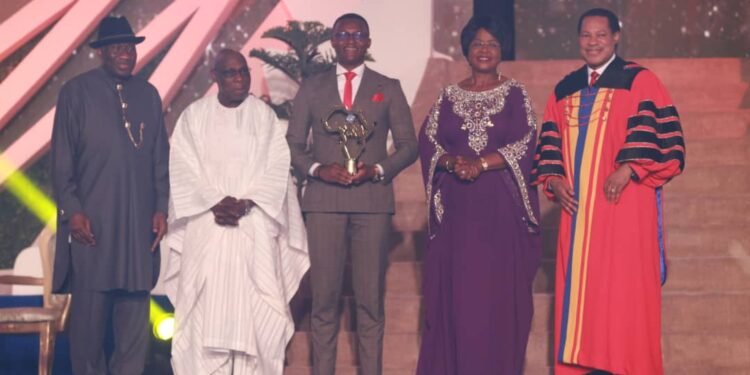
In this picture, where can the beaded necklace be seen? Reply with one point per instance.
(125, 121)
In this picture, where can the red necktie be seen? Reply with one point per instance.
(348, 89)
(594, 76)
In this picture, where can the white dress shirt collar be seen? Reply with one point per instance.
(600, 70)
(340, 70)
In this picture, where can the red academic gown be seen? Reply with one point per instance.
(610, 256)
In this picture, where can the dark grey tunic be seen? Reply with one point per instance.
(97, 170)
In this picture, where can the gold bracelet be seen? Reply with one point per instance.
(485, 164)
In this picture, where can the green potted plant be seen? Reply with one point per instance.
(303, 59)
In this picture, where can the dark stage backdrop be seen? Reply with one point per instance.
(546, 29)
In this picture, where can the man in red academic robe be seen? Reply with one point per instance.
(611, 139)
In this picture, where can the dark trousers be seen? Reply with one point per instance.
(90, 314)
(366, 237)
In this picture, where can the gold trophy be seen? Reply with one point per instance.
(353, 131)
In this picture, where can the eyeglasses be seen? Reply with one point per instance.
(480, 44)
(357, 36)
(231, 73)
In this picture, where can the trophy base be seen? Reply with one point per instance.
(351, 166)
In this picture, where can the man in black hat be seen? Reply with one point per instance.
(110, 174)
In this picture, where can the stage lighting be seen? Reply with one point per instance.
(164, 328)
(29, 194)
(161, 321)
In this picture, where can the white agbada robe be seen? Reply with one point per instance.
(231, 286)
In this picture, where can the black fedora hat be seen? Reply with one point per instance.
(115, 30)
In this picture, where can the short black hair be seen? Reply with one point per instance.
(614, 22)
(352, 16)
(491, 25)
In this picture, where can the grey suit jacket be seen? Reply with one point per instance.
(315, 99)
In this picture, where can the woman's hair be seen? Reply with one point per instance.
(471, 29)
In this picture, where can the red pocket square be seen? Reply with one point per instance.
(377, 97)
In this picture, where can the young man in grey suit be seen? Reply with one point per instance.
(344, 211)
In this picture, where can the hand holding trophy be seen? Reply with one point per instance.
(353, 131)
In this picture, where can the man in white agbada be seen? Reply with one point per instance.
(237, 243)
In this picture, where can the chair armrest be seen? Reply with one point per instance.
(21, 280)
(61, 302)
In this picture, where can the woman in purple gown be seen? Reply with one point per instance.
(484, 247)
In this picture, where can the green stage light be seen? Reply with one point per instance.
(164, 329)
(162, 322)
(24, 189)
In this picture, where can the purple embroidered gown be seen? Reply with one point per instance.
(484, 245)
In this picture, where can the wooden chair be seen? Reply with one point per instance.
(47, 320)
